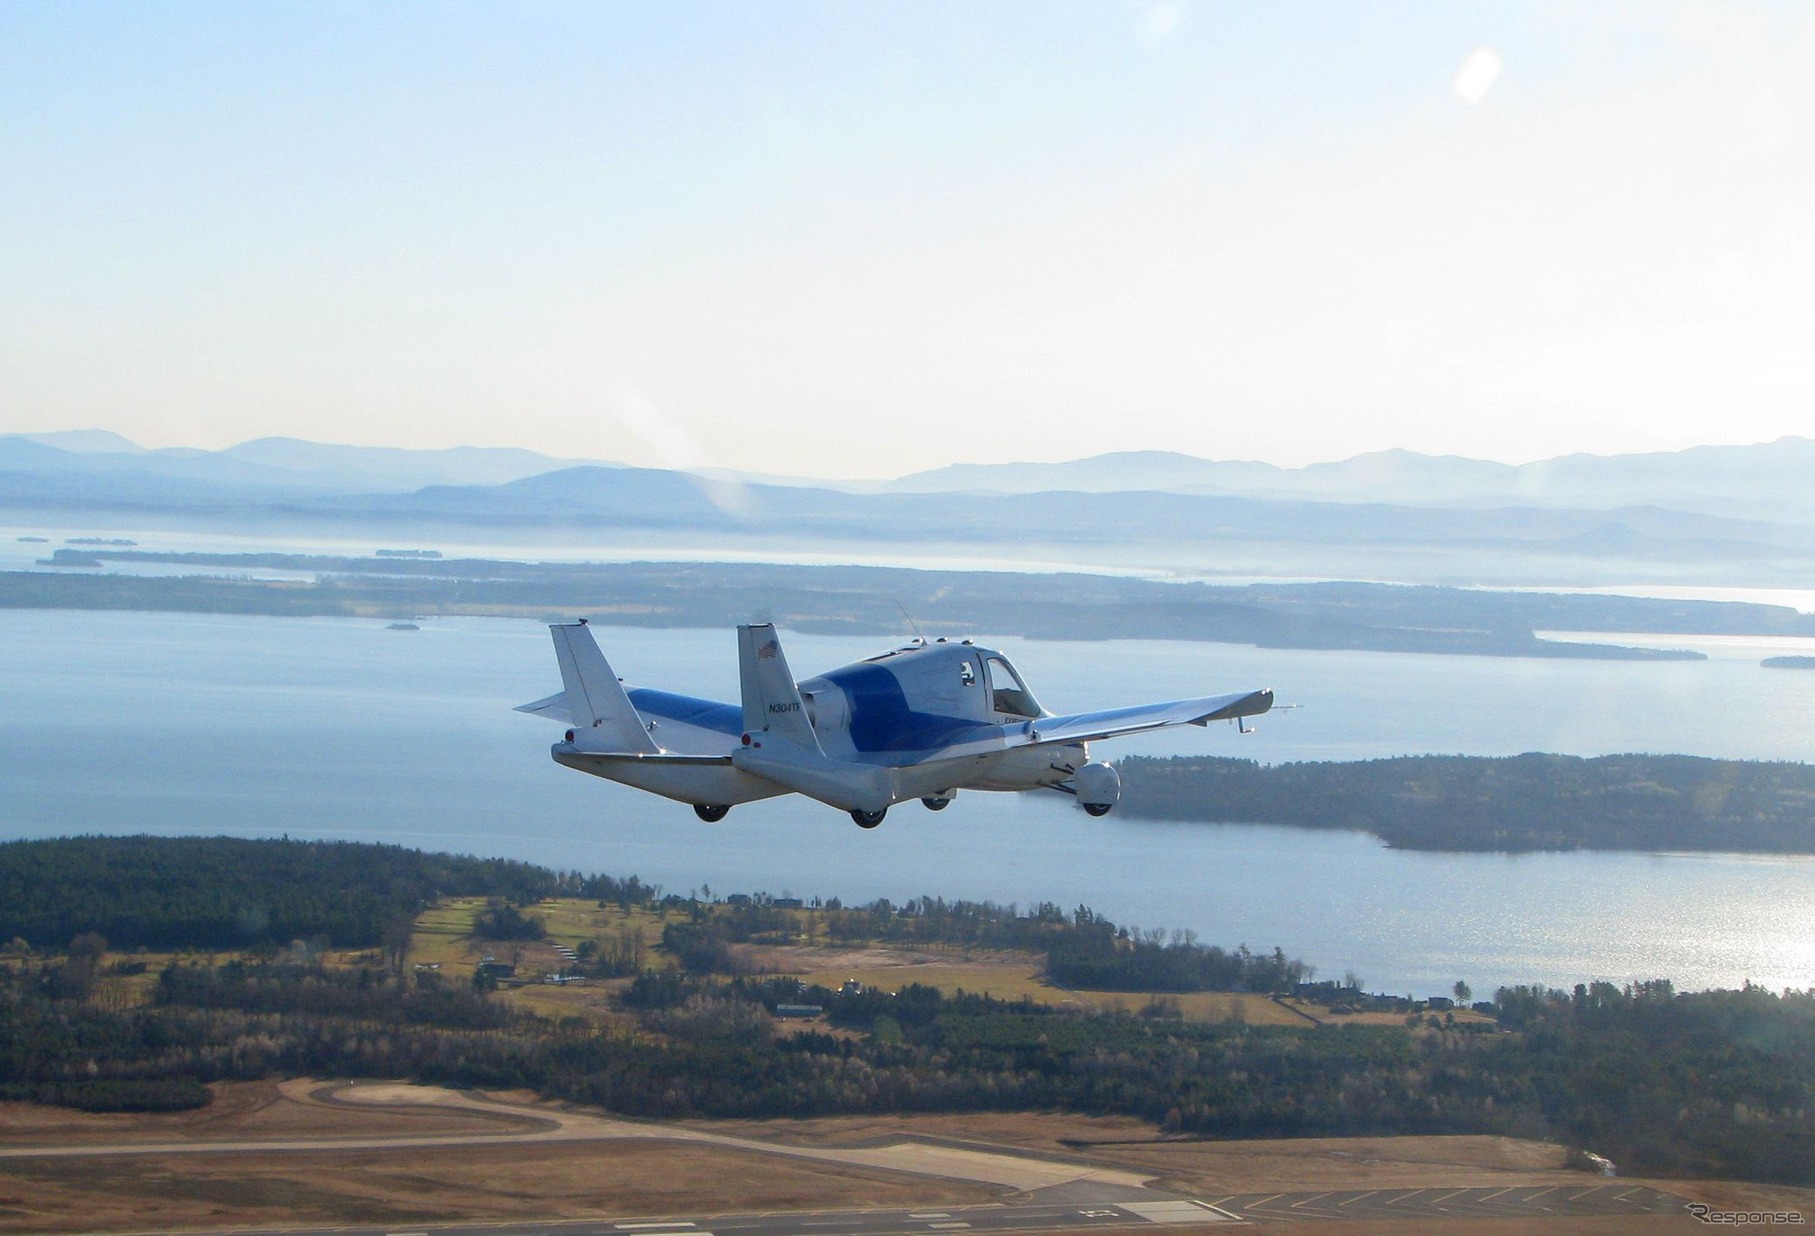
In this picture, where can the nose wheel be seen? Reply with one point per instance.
(712, 813)
(937, 803)
(869, 819)
(1097, 808)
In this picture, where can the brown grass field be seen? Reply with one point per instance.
(443, 937)
(577, 1179)
(637, 1177)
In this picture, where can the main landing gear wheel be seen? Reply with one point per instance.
(936, 804)
(869, 819)
(710, 812)
(1097, 808)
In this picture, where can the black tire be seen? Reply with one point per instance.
(1096, 808)
(869, 819)
(936, 804)
(712, 813)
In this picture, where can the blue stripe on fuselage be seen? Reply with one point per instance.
(685, 709)
(882, 722)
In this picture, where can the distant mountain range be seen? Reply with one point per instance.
(1765, 481)
(1707, 515)
(1768, 481)
(276, 463)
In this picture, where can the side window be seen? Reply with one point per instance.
(1008, 695)
(967, 674)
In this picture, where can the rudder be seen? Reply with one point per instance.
(596, 700)
(772, 703)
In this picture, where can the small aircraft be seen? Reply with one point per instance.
(921, 721)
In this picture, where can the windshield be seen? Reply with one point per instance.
(1007, 692)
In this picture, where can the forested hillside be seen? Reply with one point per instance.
(1717, 1083)
(227, 892)
(1524, 802)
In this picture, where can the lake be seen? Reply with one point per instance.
(337, 728)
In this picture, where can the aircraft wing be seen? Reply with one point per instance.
(1110, 723)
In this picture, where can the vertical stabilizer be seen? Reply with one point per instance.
(595, 698)
(772, 702)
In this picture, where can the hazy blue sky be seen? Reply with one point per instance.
(862, 239)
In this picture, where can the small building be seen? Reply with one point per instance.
(799, 1010)
(788, 903)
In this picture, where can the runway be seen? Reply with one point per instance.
(1040, 1191)
(1537, 1201)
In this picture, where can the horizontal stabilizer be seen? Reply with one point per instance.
(553, 707)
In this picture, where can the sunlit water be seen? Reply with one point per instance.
(115, 722)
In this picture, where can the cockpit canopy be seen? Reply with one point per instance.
(956, 679)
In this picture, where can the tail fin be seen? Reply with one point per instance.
(595, 698)
(772, 702)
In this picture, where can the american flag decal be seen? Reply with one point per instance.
(769, 651)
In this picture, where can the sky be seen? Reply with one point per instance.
(865, 239)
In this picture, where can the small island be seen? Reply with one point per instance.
(1788, 663)
(1645, 803)
(850, 600)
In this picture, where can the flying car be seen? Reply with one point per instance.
(920, 721)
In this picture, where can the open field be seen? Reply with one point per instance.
(543, 1160)
(1206, 1006)
(590, 999)
(443, 934)
(1007, 976)
(555, 1179)
(443, 937)
(243, 1110)
(1004, 975)
(1283, 1164)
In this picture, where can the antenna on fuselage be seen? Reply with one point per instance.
(918, 637)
